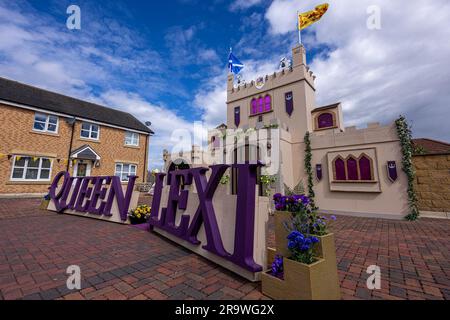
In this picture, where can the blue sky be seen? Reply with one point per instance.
(165, 61)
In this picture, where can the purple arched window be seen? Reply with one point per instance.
(339, 168)
(365, 168)
(267, 103)
(260, 105)
(254, 106)
(352, 169)
(325, 120)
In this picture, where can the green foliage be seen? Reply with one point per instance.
(405, 136)
(266, 181)
(299, 189)
(225, 179)
(308, 168)
(271, 126)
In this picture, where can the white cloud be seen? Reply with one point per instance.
(164, 122)
(379, 74)
(243, 4)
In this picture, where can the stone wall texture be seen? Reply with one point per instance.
(433, 182)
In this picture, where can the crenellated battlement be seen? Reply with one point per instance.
(297, 72)
(373, 133)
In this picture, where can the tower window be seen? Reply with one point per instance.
(325, 120)
(260, 105)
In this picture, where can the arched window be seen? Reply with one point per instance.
(339, 169)
(325, 120)
(260, 105)
(365, 168)
(352, 168)
(254, 107)
(267, 103)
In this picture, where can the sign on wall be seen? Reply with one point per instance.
(98, 197)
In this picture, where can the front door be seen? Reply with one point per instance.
(82, 169)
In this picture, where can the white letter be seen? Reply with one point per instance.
(374, 19)
(73, 21)
(374, 281)
(74, 280)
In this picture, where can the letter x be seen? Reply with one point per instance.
(205, 211)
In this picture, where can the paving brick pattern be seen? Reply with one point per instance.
(122, 262)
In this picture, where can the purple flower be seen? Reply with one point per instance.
(333, 218)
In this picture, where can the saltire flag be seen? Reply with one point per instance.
(308, 18)
(234, 65)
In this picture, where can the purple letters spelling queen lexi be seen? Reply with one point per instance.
(89, 199)
(189, 226)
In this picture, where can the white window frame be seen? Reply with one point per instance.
(133, 134)
(25, 167)
(46, 123)
(90, 131)
(121, 164)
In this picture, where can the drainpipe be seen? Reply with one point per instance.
(71, 122)
(144, 176)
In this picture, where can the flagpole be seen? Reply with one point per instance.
(299, 30)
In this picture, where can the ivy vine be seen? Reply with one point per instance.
(405, 136)
(308, 168)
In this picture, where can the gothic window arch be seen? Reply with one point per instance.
(339, 169)
(365, 164)
(352, 168)
(260, 105)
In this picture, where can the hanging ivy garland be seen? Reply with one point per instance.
(405, 136)
(308, 168)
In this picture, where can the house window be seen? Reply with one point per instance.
(123, 170)
(260, 105)
(339, 169)
(90, 131)
(131, 139)
(325, 120)
(31, 169)
(45, 123)
(237, 116)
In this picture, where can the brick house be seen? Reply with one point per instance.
(43, 133)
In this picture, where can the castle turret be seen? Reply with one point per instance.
(286, 96)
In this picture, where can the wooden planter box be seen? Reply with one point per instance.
(281, 233)
(318, 281)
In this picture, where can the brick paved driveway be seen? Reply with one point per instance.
(121, 262)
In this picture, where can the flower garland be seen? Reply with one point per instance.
(308, 168)
(405, 136)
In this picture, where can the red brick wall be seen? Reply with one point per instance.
(17, 137)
